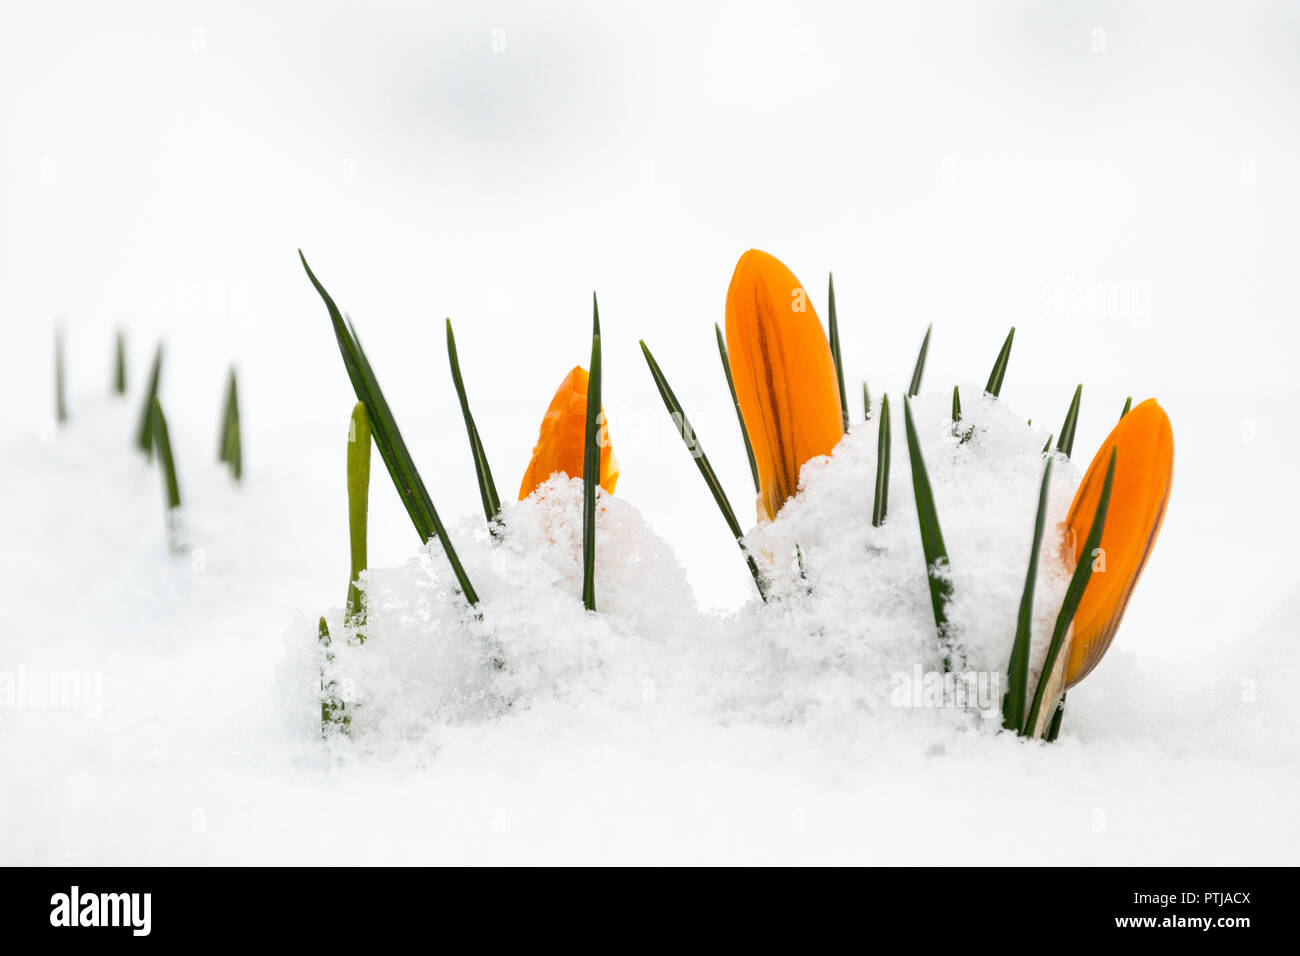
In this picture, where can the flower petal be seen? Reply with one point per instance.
(783, 372)
(562, 438)
(1144, 471)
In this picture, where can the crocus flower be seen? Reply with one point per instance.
(1144, 471)
(783, 373)
(562, 438)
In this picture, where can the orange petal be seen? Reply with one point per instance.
(783, 372)
(563, 436)
(1144, 472)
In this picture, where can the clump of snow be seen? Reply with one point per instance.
(424, 658)
(853, 629)
(847, 638)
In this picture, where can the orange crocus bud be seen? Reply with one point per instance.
(1144, 472)
(783, 373)
(563, 436)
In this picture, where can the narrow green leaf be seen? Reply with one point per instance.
(956, 407)
(232, 444)
(1128, 404)
(683, 427)
(836, 355)
(143, 440)
(1013, 702)
(880, 508)
(60, 385)
(1054, 730)
(915, 388)
(162, 441)
(223, 432)
(731, 387)
(119, 364)
(591, 466)
(1073, 595)
(487, 488)
(333, 710)
(401, 468)
(358, 507)
(866, 402)
(936, 554)
(994, 386)
(1066, 443)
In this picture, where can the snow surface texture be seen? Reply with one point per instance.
(649, 731)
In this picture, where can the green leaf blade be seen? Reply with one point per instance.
(119, 364)
(1066, 443)
(683, 427)
(731, 387)
(1014, 702)
(482, 470)
(1070, 604)
(231, 450)
(162, 441)
(880, 505)
(914, 388)
(388, 438)
(143, 439)
(60, 380)
(836, 355)
(591, 466)
(359, 439)
(999, 372)
(936, 553)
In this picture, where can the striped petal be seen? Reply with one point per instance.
(783, 372)
(562, 438)
(1144, 471)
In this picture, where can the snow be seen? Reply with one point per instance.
(651, 731)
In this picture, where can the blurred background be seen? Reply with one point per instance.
(1117, 181)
